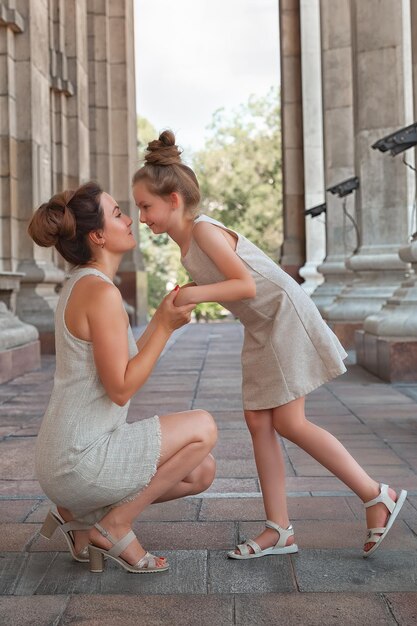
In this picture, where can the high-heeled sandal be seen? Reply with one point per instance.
(377, 535)
(279, 548)
(146, 565)
(53, 521)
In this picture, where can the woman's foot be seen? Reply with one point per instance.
(269, 538)
(377, 516)
(81, 537)
(134, 551)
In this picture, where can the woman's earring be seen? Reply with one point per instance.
(102, 245)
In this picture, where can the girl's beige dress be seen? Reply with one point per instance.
(288, 349)
(88, 458)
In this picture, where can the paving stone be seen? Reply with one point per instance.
(232, 509)
(12, 451)
(157, 536)
(236, 468)
(174, 511)
(14, 537)
(266, 575)
(319, 508)
(312, 609)
(32, 610)
(346, 570)
(226, 449)
(15, 510)
(148, 610)
(27, 488)
(233, 485)
(403, 607)
(11, 564)
(187, 574)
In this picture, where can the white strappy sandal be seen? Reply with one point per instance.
(377, 535)
(279, 548)
(53, 521)
(146, 565)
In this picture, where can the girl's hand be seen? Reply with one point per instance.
(170, 315)
(183, 296)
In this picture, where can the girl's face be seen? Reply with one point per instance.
(157, 212)
(117, 231)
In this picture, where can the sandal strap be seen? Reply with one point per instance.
(122, 544)
(74, 525)
(148, 560)
(284, 533)
(374, 535)
(383, 497)
(244, 547)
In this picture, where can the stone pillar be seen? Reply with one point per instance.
(337, 93)
(312, 141)
(37, 298)
(19, 345)
(381, 201)
(293, 249)
(113, 128)
(388, 344)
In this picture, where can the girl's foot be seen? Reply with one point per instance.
(81, 537)
(267, 539)
(134, 551)
(377, 516)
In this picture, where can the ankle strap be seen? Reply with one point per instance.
(383, 497)
(118, 545)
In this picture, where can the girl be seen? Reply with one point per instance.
(288, 349)
(100, 471)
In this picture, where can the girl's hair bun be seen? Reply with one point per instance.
(163, 151)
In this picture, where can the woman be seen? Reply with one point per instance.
(100, 471)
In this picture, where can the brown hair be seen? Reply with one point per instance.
(66, 220)
(165, 173)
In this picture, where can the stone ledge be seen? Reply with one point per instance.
(19, 360)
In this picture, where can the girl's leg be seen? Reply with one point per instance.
(271, 471)
(290, 422)
(187, 439)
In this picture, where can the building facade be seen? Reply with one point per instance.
(349, 78)
(67, 115)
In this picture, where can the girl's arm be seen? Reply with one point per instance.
(239, 283)
(122, 377)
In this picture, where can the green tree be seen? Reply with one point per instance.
(239, 171)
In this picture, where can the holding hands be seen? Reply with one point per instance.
(172, 313)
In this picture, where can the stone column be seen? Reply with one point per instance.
(19, 345)
(123, 140)
(381, 201)
(37, 298)
(337, 93)
(312, 141)
(388, 344)
(293, 249)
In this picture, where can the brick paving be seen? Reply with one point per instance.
(328, 582)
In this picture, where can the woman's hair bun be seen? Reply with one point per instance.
(163, 151)
(54, 221)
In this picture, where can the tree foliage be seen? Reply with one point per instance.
(239, 171)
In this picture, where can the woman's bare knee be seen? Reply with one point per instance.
(207, 428)
(259, 422)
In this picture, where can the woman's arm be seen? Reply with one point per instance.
(122, 377)
(239, 283)
(143, 339)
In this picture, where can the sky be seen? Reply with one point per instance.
(195, 56)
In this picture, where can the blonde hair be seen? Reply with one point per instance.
(165, 173)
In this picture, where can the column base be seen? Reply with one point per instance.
(345, 332)
(47, 341)
(392, 360)
(17, 361)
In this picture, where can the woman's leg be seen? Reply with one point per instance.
(187, 439)
(290, 422)
(271, 471)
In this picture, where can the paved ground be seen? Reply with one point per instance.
(328, 582)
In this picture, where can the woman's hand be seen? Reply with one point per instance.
(170, 315)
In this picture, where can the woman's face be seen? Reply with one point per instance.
(117, 231)
(154, 211)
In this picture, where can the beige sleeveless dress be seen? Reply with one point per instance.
(288, 349)
(88, 458)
